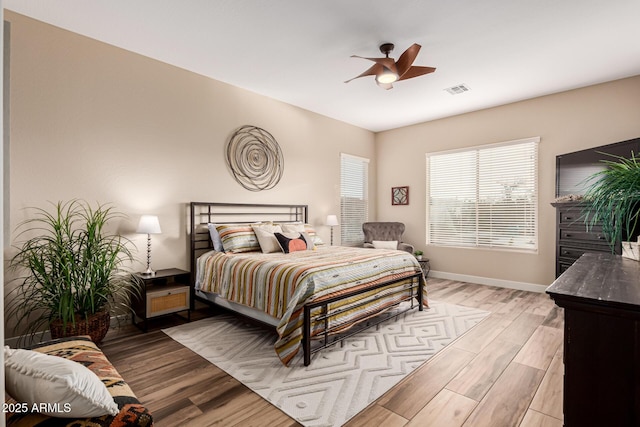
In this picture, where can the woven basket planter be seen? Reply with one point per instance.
(96, 326)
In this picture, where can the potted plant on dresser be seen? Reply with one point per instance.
(71, 272)
(613, 199)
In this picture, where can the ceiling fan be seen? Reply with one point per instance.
(388, 71)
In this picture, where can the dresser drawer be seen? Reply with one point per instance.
(593, 235)
(574, 237)
(571, 253)
(168, 299)
(563, 266)
(570, 216)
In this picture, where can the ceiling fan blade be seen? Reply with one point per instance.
(406, 59)
(385, 86)
(416, 71)
(386, 62)
(372, 71)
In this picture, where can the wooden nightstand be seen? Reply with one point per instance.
(166, 292)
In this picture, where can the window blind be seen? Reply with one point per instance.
(354, 203)
(485, 196)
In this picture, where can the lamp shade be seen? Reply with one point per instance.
(332, 220)
(149, 224)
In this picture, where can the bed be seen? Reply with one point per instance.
(311, 296)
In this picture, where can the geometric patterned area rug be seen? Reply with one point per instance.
(341, 380)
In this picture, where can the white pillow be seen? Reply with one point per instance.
(35, 378)
(266, 237)
(385, 244)
(293, 227)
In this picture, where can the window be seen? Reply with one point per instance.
(484, 196)
(354, 203)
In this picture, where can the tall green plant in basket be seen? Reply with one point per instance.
(613, 198)
(72, 273)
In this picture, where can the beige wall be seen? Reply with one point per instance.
(92, 121)
(565, 122)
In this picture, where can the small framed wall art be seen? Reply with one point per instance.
(399, 195)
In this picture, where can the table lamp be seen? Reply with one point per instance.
(149, 225)
(332, 221)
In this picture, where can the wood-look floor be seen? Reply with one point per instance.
(507, 371)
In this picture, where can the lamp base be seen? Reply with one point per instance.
(149, 271)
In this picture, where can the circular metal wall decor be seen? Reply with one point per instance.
(255, 158)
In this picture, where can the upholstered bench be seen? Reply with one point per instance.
(127, 411)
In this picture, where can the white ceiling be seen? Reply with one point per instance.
(298, 51)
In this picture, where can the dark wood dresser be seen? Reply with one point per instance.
(600, 294)
(574, 238)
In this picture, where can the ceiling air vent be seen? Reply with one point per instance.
(455, 90)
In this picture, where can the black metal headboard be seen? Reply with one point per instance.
(202, 213)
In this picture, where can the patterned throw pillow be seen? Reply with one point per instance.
(291, 243)
(238, 238)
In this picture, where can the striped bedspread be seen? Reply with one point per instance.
(280, 284)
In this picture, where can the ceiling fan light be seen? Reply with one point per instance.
(386, 77)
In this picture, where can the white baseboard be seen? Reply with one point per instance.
(521, 286)
(23, 341)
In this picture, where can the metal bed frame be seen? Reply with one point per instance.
(202, 213)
